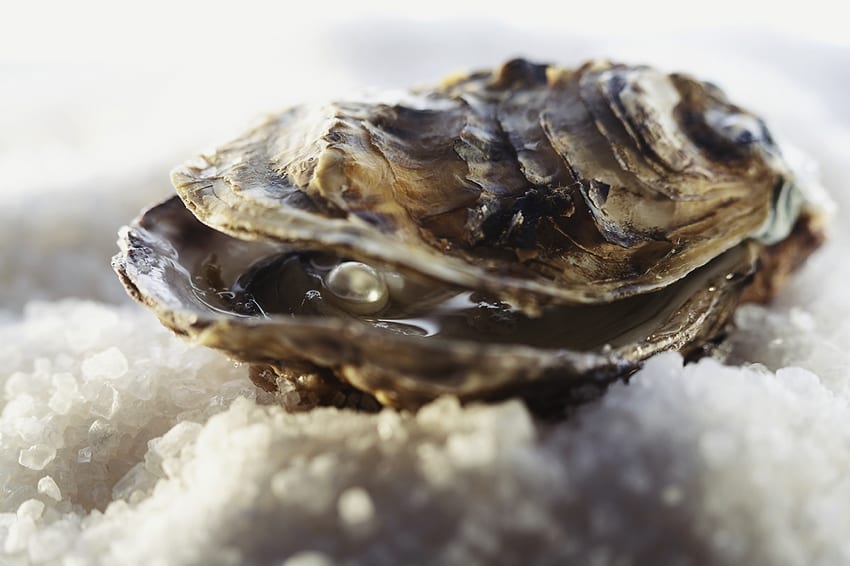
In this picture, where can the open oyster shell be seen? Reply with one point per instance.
(522, 231)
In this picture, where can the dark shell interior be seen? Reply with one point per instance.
(230, 294)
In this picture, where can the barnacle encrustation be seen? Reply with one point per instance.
(529, 230)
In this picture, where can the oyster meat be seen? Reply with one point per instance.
(531, 230)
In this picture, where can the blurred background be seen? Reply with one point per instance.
(99, 100)
(93, 88)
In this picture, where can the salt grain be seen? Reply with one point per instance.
(82, 337)
(308, 558)
(141, 387)
(61, 402)
(49, 544)
(18, 535)
(84, 455)
(105, 399)
(110, 363)
(47, 486)
(65, 391)
(170, 444)
(802, 320)
(19, 383)
(471, 450)
(390, 425)
(355, 507)
(31, 508)
(102, 437)
(64, 381)
(135, 479)
(36, 457)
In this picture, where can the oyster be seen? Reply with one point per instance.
(531, 230)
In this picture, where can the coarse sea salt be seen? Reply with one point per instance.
(110, 363)
(355, 507)
(164, 453)
(36, 457)
(47, 486)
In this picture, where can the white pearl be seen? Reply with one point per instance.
(357, 287)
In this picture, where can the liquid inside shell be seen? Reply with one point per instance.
(528, 231)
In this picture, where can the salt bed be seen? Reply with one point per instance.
(121, 444)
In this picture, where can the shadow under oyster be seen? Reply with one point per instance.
(528, 231)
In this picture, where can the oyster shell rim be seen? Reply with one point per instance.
(486, 368)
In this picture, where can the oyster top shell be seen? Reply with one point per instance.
(536, 183)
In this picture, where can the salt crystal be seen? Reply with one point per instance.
(64, 381)
(142, 386)
(283, 483)
(30, 429)
(469, 450)
(355, 507)
(19, 407)
(47, 486)
(803, 320)
(49, 544)
(19, 383)
(799, 380)
(434, 465)
(187, 393)
(64, 393)
(135, 479)
(759, 368)
(103, 437)
(36, 457)
(82, 337)
(84, 455)
(61, 402)
(110, 363)
(175, 439)
(390, 425)
(31, 508)
(104, 399)
(512, 419)
(137, 497)
(442, 410)
(308, 558)
(324, 465)
(18, 536)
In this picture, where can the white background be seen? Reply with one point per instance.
(92, 91)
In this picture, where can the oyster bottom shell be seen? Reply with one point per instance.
(570, 223)
(167, 263)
